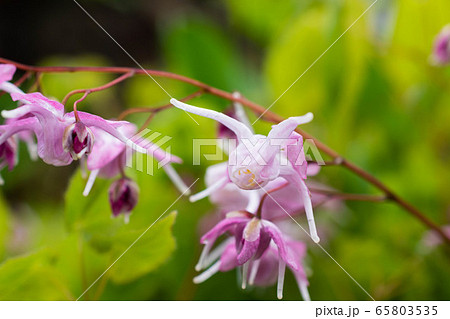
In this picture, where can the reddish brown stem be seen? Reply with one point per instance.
(258, 109)
(100, 88)
(347, 196)
(134, 110)
(147, 122)
(263, 198)
(23, 78)
(75, 110)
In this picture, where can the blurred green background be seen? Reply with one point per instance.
(375, 97)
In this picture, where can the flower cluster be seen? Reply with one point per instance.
(262, 183)
(260, 187)
(61, 138)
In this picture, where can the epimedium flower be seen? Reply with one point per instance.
(6, 74)
(441, 49)
(259, 159)
(61, 137)
(256, 245)
(123, 197)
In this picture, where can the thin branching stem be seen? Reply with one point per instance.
(100, 88)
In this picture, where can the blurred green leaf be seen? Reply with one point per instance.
(81, 211)
(262, 20)
(4, 226)
(148, 253)
(198, 47)
(31, 277)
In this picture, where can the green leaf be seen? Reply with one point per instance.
(4, 226)
(31, 277)
(81, 211)
(148, 253)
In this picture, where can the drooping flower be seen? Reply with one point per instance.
(258, 246)
(58, 138)
(259, 159)
(6, 74)
(123, 196)
(441, 49)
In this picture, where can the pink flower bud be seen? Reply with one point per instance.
(123, 196)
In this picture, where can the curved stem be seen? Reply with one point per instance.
(75, 110)
(346, 196)
(258, 109)
(100, 88)
(259, 211)
(134, 110)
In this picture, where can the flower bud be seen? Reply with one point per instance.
(123, 196)
(78, 140)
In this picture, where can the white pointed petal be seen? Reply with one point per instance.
(90, 182)
(285, 128)
(201, 262)
(245, 274)
(254, 272)
(208, 191)
(176, 179)
(303, 286)
(207, 273)
(280, 284)
(237, 127)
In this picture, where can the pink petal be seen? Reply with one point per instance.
(285, 128)
(6, 72)
(222, 227)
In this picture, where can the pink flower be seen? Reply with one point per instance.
(258, 246)
(441, 50)
(259, 159)
(60, 139)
